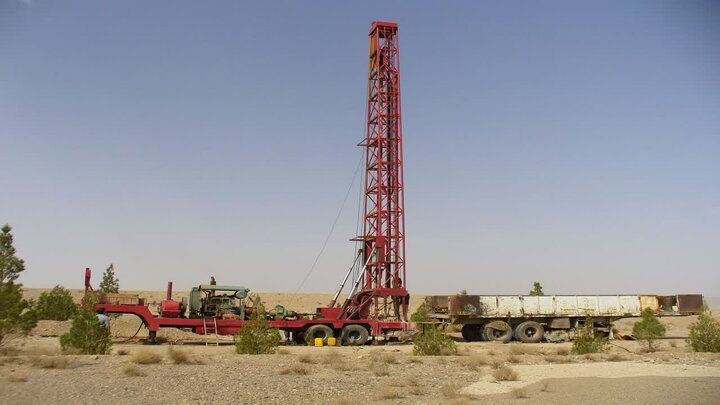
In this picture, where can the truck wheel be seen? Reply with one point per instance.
(354, 335)
(471, 333)
(529, 332)
(498, 331)
(318, 331)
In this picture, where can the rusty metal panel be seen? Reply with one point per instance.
(465, 305)
(690, 303)
(433, 302)
(649, 301)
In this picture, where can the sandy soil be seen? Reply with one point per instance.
(547, 374)
(344, 375)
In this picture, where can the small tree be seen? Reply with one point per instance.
(110, 283)
(420, 315)
(432, 341)
(588, 340)
(649, 329)
(10, 265)
(55, 305)
(257, 337)
(537, 289)
(16, 314)
(87, 334)
(705, 333)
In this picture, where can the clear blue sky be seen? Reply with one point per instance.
(574, 143)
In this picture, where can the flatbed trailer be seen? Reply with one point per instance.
(527, 318)
(324, 324)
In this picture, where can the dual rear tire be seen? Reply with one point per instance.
(501, 331)
(351, 335)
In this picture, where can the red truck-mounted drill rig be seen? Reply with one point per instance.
(377, 302)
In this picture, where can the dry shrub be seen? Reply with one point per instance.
(451, 390)
(563, 351)
(513, 359)
(381, 357)
(331, 358)
(475, 362)
(520, 348)
(389, 394)
(42, 351)
(616, 357)
(146, 357)
(496, 363)
(505, 373)
(9, 360)
(9, 351)
(307, 358)
(133, 371)
(298, 369)
(14, 378)
(591, 357)
(181, 357)
(412, 382)
(417, 391)
(122, 352)
(559, 359)
(51, 362)
(519, 393)
(379, 369)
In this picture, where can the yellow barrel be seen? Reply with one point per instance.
(331, 341)
(318, 342)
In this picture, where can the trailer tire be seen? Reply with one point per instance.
(472, 333)
(529, 332)
(354, 335)
(498, 331)
(318, 331)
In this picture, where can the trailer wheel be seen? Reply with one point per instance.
(354, 335)
(472, 333)
(529, 332)
(497, 331)
(318, 331)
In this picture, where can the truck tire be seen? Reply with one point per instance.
(529, 332)
(472, 333)
(318, 331)
(354, 335)
(498, 331)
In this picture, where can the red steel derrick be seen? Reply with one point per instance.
(383, 293)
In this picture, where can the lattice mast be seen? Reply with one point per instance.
(383, 293)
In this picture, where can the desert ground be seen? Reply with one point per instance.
(185, 370)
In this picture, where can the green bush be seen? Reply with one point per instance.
(649, 329)
(433, 342)
(55, 305)
(420, 314)
(588, 340)
(257, 337)
(705, 333)
(87, 335)
(16, 314)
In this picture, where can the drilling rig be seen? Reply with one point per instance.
(377, 303)
(379, 291)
